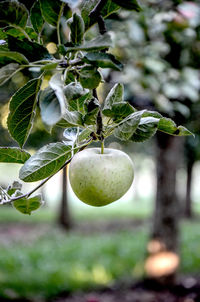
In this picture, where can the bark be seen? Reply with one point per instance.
(188, 202)
(64, 218)
(167, 210)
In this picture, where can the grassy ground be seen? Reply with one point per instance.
(38, 260)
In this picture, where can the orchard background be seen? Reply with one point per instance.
(86, 70)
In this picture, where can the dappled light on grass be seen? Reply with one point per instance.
(162, 264)
(97, 275)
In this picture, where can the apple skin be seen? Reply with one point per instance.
(99, 179)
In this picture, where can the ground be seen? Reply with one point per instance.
(145, 291)
(186, 290)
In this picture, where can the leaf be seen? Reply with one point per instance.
(28, 205)
(89, 77)
(98, 43)
(7, 72)
(16, 186)
(50, 107)
(92, 112)
(57, 84)
(84, 135)
(36, 17)
(22, 111)
(168, 126)
(128, 4)
(114, 96)
(77, 28)
(120, 110)
(51, 11)
(13, 155)
(14, 13)
(103, 60)
(10, 56)
(31, 50)
(73, 118)
(45, 162)
(70, 135)
(87, 6)
(71, 3)
(146, 129)
(76, 96)
(17, 33)
(125, 130)
(63, 123)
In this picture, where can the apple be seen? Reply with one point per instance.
(99, 179)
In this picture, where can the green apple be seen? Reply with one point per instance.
(99, 179)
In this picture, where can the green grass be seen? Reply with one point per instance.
(56, 261)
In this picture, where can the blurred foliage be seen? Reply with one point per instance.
(161, 51)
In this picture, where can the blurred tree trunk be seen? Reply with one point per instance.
(167, 210)
(64, 217)
(188, 202)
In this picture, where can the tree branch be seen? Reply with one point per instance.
(96, 13)
(97, 9)
(44, 181)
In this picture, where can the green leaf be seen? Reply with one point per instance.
(14, 13)
(146, 129)
(70, 135)
(103, 60)
(16, 186)
(128, 4)
(72, 118)
(51, 11)
(10, 56)
(13, 155)
(126, 128)
(87, 6)
(50, 107)
(76, 96)
(22, 111)
(77, 28)
(31, 50)
(7, 72)
(120, 111)
(28, 205)
(168, 126)
(36, 17)
(115, 96)
(89, 77)
(92, 112)
(63, 123)
(45, 162)
(99, 43)
(17, 33)
(84, 135)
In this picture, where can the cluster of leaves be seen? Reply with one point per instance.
(70, 100)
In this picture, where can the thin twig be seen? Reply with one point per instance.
(45, 180)
(96, 13)
(97, 9)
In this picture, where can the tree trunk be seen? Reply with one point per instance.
(188, 202)
(64, 219)
(166, 213)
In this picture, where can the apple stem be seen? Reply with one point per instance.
(102, 147)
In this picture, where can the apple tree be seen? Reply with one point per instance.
(63, 89)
